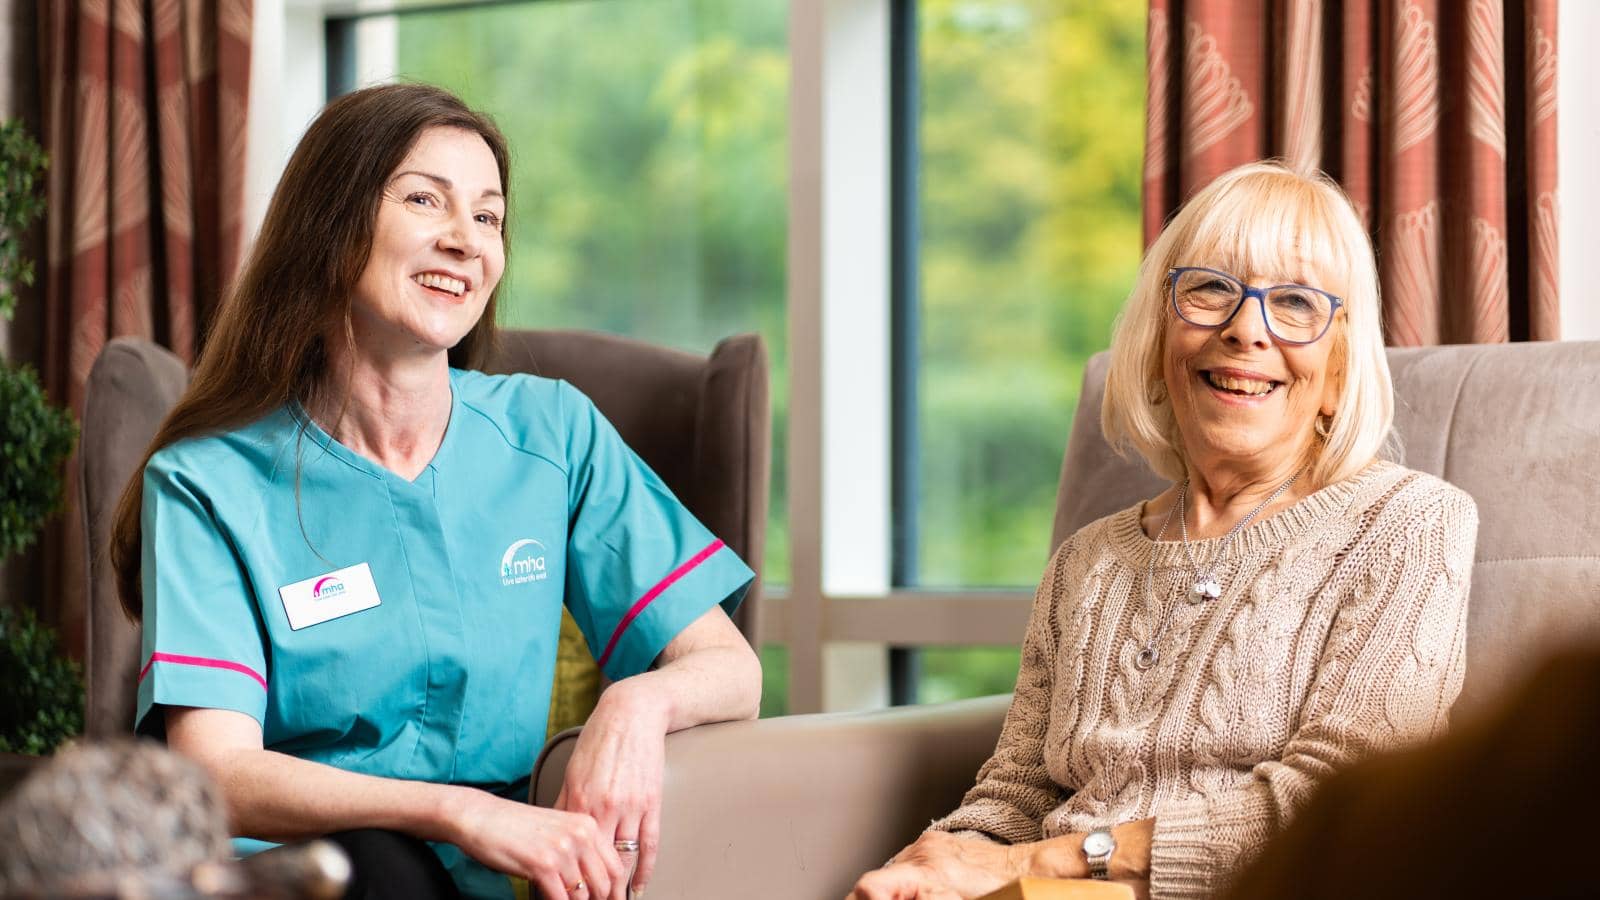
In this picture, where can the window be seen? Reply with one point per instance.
(1030, 126)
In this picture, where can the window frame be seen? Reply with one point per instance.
(827, 72)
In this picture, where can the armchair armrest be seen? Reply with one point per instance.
(800, 806)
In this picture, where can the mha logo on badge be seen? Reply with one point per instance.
(523, 562)
(329, 586)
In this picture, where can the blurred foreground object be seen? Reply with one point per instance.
(131, 819)
(1502, 806)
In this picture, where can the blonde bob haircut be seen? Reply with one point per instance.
(1258, 220)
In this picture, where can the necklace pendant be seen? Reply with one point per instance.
(1206, 587)
(1146, 658)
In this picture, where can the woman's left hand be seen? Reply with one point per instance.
(615, 774)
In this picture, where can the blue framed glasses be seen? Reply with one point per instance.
(1294, 313)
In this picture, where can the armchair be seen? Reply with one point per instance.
(801, 806)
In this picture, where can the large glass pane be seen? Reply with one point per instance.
(956, 673)
(774, 680)
(1031, 136)
(648, 193)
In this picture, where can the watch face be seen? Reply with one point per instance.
(1098, 843)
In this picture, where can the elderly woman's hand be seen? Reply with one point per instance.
(902, 881)
(615, 775)
(940, 866)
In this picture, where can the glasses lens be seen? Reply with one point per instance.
(1205, 298)
(1297, 313)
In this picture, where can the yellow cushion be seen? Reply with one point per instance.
(572, 697)
(577, 686)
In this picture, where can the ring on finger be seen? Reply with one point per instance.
(626, 846)
(576, 888)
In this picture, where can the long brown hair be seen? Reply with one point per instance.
(266, 345)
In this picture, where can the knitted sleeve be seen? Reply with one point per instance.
(1392, 665)
(1014, 792)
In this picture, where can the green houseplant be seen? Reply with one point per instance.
(41, 703)
(35, 441)
(22, 165)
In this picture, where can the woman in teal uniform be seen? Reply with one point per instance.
(351, 550)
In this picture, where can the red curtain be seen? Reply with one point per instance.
(1437, 116)
(144, 107)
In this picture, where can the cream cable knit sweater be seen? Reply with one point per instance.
(1341, 630)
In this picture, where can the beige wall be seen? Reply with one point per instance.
(1578, 146)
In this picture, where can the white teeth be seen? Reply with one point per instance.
(442, 282)
(1243, 385)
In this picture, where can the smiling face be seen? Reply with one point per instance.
(437, 252)
(1239, 395)
(1190, 399)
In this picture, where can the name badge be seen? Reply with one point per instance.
(325, 597)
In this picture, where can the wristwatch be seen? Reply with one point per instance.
(1098, 845)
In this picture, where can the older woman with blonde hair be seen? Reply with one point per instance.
(1195, 665)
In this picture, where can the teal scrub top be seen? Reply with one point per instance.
(408, 629)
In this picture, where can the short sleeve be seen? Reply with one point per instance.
(640, 567)
(203, 640)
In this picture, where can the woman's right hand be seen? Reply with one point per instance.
(553, 850)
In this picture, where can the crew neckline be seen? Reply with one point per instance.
(1127, 534)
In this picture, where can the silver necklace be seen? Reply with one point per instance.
(1206, 584)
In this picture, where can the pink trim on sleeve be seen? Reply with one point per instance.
(653, 593)
(203, 662)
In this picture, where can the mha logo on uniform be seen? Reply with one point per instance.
(523, 562)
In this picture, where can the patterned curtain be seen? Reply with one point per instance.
(144, 104)
(1437, 116)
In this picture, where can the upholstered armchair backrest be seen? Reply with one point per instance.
(132, 386)
(1517, 426)
(703, 423)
